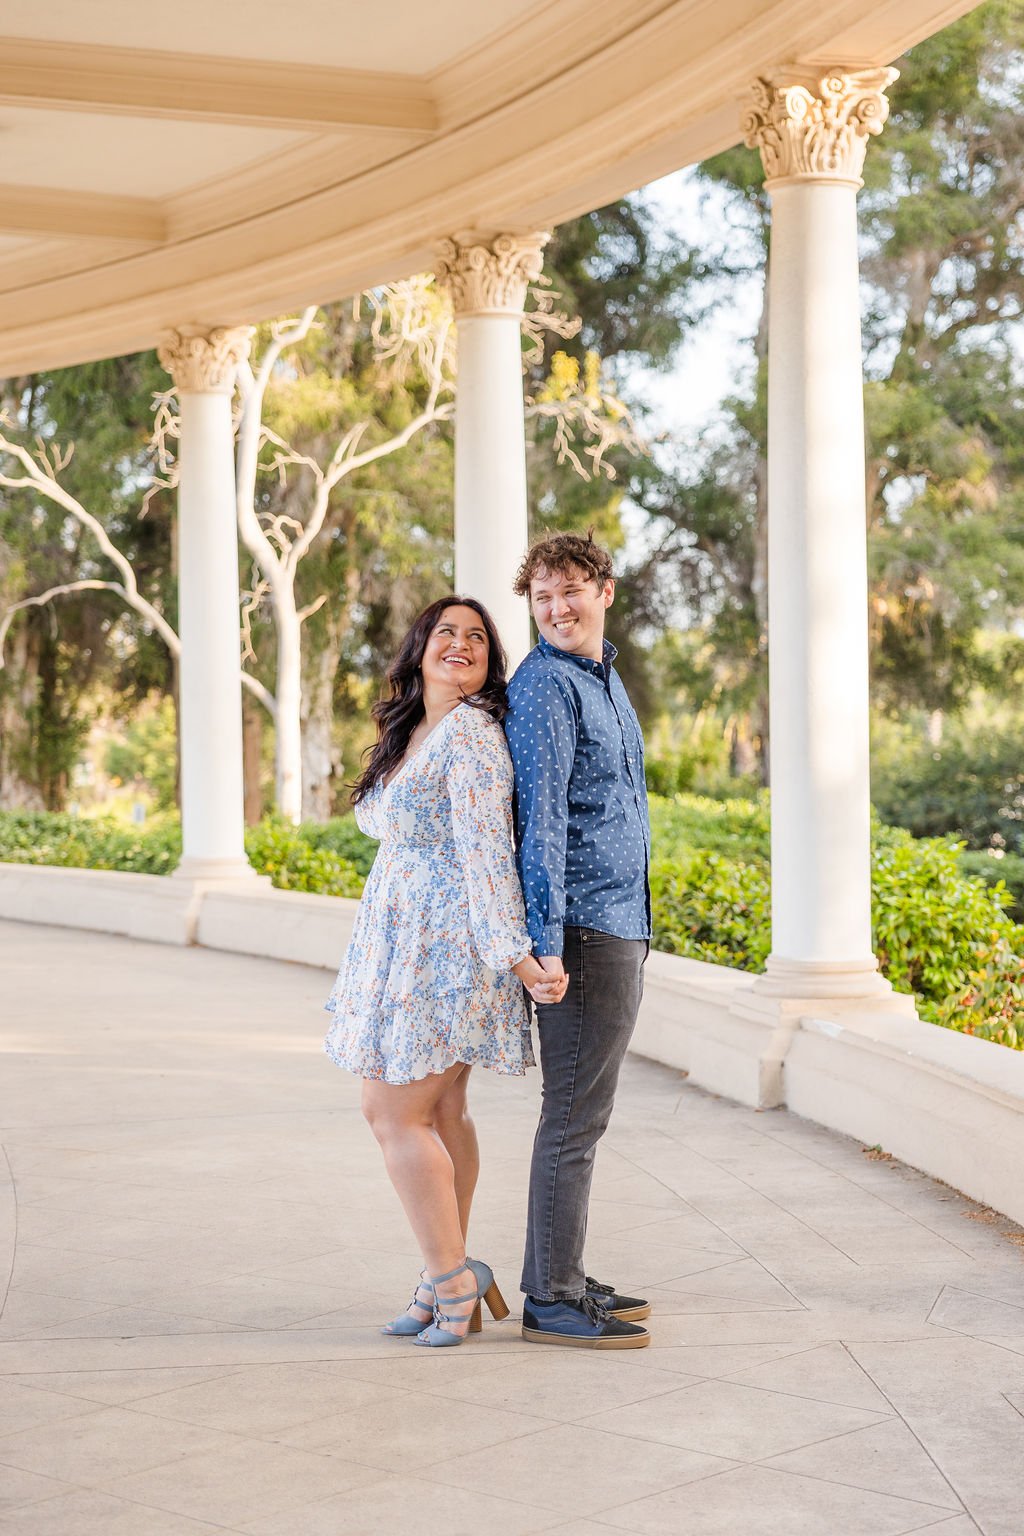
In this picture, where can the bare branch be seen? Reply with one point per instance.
(311, 608)
(258, 691)
(42, 598)
(586, 405)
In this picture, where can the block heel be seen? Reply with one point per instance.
(495, 1302)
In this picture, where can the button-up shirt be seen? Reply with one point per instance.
(584, 838)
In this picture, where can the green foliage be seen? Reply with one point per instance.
(991, 1006)
(739, 829)
(1007, 870)
(939, 933)
(712, 908)
(932, 923)
(274, 848)
(970, 787)
(278, 849)
(341, 837)
(28, 837)
(147, 750)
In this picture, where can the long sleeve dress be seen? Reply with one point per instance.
(427, 978)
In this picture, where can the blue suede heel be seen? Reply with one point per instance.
(404, 1325)
(435, 1336)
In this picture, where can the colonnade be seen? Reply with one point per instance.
(812, 132)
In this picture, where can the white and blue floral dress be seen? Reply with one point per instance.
(427, 978)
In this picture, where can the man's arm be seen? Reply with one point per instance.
(542, 728)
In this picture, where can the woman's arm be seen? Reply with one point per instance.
(479, 777)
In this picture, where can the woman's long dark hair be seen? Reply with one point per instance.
(398, 715)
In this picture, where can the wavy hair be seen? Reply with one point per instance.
(398, 715)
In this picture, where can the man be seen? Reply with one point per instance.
(584, 853)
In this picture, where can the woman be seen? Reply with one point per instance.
(432, 981)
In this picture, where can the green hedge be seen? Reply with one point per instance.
(941, 933)
(293, 859)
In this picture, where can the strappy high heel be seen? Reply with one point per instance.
(486, 1289)
(405, 1325)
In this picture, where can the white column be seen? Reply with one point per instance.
(203, 368)
(812, 134)
(487, 277)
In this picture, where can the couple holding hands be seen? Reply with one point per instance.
(457, 919)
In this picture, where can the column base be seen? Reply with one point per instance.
(783, 1016)
(824, 979)
(218, 869)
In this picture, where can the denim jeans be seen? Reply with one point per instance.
(582, 1042)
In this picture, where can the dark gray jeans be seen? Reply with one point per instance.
(582, 1042)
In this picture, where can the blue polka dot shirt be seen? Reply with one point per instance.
(583, 833)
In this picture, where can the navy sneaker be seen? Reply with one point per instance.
(585, 1324)
(628, 1309)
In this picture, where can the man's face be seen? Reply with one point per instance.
(569, 609)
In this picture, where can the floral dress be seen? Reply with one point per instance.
(427, 978)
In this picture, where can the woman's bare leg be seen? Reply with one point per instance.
(456, 1129)
(402, 1117)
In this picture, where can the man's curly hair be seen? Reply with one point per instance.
(563, 554)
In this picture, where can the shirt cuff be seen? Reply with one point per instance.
(551, 941)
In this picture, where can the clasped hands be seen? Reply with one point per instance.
(544, 977)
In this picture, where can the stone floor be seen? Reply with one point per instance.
(206, 1245)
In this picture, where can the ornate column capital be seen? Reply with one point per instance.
(204, 362)
(489, 274)
(814, 127)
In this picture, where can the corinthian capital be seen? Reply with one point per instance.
(489, 274)
(204, 362)
(815, 127)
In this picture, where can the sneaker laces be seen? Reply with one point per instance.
(597, 1287)
(595, 1312)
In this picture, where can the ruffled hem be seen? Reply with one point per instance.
(367, 1061)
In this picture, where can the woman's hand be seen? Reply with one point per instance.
(544, 983)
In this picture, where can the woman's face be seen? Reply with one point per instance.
(455, 657)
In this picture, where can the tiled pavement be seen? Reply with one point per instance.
(206, 1245)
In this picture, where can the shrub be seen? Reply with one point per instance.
(932, 924)
(683, 824)
(971, 787)
(1007, 870)
(33, 837)
(278, 849)
(343, 838)
(712, 908)
(991, 1007)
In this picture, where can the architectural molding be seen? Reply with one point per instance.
(815, 127)
(88, 215)
(203, 88)
(204, 362)
(489, 274)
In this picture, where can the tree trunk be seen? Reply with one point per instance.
(319, 755)
(288, 755)
(743, 761)
(252, 758)
(19, 685)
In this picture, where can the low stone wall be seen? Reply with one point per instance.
(947, 1104)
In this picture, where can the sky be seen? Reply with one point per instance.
(714, 360)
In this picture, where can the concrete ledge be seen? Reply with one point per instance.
(280, 925)
(139, 906)
(949, 1105)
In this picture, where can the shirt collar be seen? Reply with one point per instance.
(602, 667)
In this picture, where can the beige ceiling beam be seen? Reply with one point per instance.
(255, 93)
(83, 215)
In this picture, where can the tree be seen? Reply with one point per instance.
(943, 262)
(329, 402)
(57, 659)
